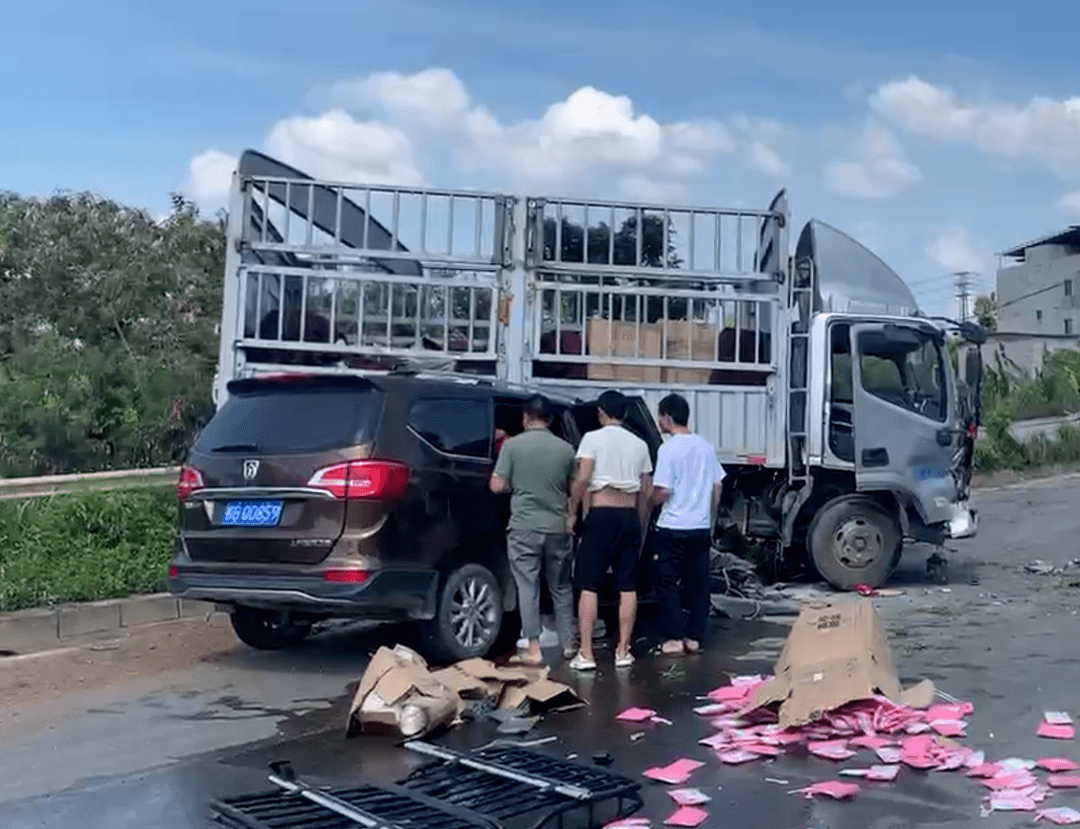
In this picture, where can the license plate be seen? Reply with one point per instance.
(252, 513)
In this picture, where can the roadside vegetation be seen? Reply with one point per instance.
(85, 546)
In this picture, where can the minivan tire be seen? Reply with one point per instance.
(267, 630)
(854, 540)
(469, 619)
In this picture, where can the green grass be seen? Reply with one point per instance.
(85, 546)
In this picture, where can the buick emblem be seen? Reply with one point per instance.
(251, 469)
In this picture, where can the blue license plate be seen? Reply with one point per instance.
(252, 513)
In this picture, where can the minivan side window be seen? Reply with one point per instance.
(456, 426)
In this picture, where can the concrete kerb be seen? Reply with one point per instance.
(38, 629)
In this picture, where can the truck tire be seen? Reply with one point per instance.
(267, 630)
(854, 540)
(469, 619)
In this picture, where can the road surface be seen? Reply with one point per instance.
(143, 731)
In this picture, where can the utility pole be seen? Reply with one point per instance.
(963, 292)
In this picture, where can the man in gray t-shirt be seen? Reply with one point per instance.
(537, 466)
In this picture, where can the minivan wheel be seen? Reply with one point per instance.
(268, 630)
(469, 618)
(853, 541)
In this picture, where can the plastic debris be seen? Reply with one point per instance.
(1057, 718)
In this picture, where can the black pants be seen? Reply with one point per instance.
(682, 556)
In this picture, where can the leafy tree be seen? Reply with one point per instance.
(108, 332)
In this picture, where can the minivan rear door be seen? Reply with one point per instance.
(270, 469)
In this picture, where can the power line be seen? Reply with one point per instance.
(1033, 293)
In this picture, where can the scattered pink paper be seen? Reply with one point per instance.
(975, 759)
(835, 789)
(1056, 732)
(736, 757)
(985, 770)
(831, 749)
(948, 728)
(1056, 764)
(870, 741)
(677, 772)
(762, 749)
(689, 797)
(1011, 801)
(1009, 780)
(629, 823)
(1062, 816)
(951, 711)
(687, 816)
(1064, 781)
(889, 756)
(636, 715)
(883, 773)
(716, 741)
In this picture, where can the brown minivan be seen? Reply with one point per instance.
(310, 497)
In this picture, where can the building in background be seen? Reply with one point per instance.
(1038, 299)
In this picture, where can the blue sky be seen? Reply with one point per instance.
(909, 125)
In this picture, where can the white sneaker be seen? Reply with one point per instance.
(548, 639)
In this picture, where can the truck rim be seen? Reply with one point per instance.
(858, 543)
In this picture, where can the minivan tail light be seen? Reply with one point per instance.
(191, 480)
(383, 480)
(346, 576)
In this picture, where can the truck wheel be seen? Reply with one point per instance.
(267, 630)
(469, 618)
(853, 541)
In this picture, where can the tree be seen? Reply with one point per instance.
(108, 332)
(985, 309)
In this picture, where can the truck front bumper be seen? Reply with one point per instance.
(964, 522)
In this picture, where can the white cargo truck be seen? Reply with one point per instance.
(844, 416)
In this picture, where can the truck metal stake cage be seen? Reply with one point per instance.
(843, 415)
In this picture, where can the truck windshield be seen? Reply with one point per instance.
(906, 370)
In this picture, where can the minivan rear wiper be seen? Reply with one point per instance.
(236, 447)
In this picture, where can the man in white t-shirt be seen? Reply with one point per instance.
(614, 469)
(688, 483)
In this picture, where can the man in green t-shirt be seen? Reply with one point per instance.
(537, 467)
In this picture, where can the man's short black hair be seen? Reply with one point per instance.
(613, 404)
(538, 408)
(676, 407)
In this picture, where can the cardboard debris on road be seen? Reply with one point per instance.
(836, 653)
(399, 695)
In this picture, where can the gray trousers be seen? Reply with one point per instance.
(531, 551)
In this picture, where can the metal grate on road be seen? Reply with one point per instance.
(389, 806)
(524, 789)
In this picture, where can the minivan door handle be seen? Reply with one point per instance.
(875, 457)
(945, 437)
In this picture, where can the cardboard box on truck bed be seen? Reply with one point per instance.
(836, 653)
(623, 339)
(691, 340)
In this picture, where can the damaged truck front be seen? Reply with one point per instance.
(834, 404)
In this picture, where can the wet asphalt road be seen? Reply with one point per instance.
(151, 751)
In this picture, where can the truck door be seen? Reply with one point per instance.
(903, 416)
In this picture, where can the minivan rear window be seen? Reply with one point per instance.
(283, 422)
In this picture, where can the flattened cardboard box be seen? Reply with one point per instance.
(398, 695)
(521, 687)
(836, 653)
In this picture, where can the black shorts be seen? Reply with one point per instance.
(610, 537)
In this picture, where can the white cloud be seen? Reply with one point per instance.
(209, 177)
(1070, 203)
(394, 128)
(1043, 131)
(953, 249)
(335, 146)
(877, 170)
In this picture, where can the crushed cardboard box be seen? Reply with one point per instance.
(836, 653)
(399, 695)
